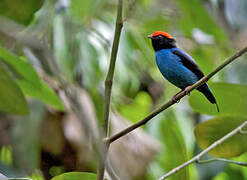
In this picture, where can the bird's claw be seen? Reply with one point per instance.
(175, 100)
(187, 90)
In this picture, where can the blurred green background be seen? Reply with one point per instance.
(40, 136)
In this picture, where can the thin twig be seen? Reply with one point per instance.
(197, 157)
(108, 85)
(111, 171)
(178, 97)
(223, 160)
(243, 131)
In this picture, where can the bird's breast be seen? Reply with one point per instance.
(173, 70)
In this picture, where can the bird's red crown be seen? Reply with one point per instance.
(157, 33)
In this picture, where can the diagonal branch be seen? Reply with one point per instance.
(223, 160)
(108, 86)
(178, 97)
(197, 157)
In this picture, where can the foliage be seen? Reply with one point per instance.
(29, 82)
(232, 105)
(20, 11)
(11, 98)
(75, 176)
(208, 132)
(78, 35)
(174, 145)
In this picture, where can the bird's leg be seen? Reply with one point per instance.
(174, 98)
(187, 90)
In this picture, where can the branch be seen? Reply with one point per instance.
(111, 171)
(109, 77)
(108, 85)
(197, 157)
(179, 96)
(223, 160)
(243, 131)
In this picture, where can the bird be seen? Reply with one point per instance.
(177, 66)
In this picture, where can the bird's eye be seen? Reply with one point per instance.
(161, 37)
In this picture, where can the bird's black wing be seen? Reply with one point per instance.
(189, 63)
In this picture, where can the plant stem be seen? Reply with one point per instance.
(197, 157)
(109, 77)
(178, 97)
(223, 160)
(108, 86)
(243, 131)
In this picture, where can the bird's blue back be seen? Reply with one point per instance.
(170, 65)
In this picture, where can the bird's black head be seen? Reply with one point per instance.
(162, 40)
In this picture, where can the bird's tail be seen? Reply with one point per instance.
(209, 95)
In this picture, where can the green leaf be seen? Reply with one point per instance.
(29, 81)
(85, 10)
(174, 146)
(22, 67)
(138, 109)
(11, 98)
(205, 56)
(194, 15)
(231, 98)
(6, 155)
(91, 68)
(76, 176)
(80, 9)
(44, 94)
(20, 11)
(26, 138)
(212, 130)
(242, 158)
(19, 179)
(155, 23)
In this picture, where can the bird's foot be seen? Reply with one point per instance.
(174, 99)
(188, 90)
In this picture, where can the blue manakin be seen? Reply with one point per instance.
(178, 67)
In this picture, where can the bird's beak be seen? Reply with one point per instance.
(150, 36)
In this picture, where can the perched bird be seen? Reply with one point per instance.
(178, 67)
